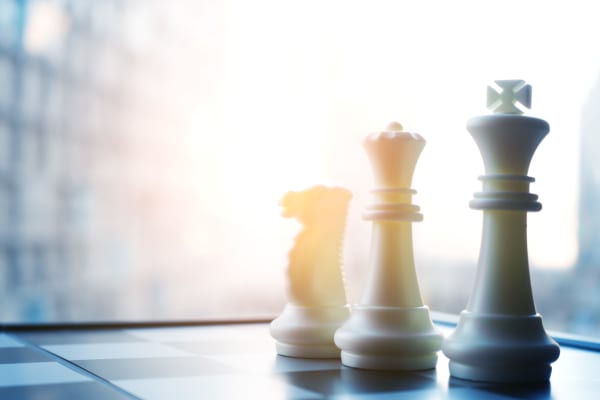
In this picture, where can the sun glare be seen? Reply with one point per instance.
(296, 103)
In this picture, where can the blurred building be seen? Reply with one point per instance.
(585, 279)
(589, 195)
(90, 177)
(144, 145)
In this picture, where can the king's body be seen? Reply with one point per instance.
(500, 337)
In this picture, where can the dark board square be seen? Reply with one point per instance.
(352, 382)
(80, 390)
(11, 355)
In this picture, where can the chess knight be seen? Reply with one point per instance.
(317, 300)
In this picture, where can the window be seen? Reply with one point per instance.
(6, 79)
(166, 134)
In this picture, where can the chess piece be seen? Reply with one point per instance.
(391, 328)
(500, 337)
(317, 301)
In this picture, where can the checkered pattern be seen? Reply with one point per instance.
(26, 372)
(225, 362)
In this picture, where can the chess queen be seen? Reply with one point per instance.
(500, 337)
(391, 328)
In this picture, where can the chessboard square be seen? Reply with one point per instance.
(291, 364)
(226, 346)
(234, 333)
(8, 341)
(471, 393)
(187, 334)
(351, 381)
(400, 395)
(325, 383)
(258, 330)
(80, 390)
(99, 351)
(12, 355)
(21, 374)
(262, 364)
(78, 337)
(216, 387)
(139, 368)
(270, 363)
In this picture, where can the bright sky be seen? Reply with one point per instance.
(304, 82)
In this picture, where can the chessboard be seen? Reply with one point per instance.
(235, 361)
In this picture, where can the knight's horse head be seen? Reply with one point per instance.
(319, 204)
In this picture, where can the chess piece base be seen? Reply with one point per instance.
(500, 348)
(389, 338)
(501, 374)
(307, 332)
(389, 363)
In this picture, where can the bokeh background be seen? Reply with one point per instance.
(144, 146)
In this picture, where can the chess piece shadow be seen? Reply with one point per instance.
(351, 382)
(532, 390)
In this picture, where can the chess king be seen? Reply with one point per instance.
(317, 300)
(500, 336)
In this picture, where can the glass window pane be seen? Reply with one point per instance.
(6, 83)
(31, 93)
(8, 23)
(153, 148)
(5, 148)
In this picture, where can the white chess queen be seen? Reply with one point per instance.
(391, 328)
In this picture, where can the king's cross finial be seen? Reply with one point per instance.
(512, 94)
